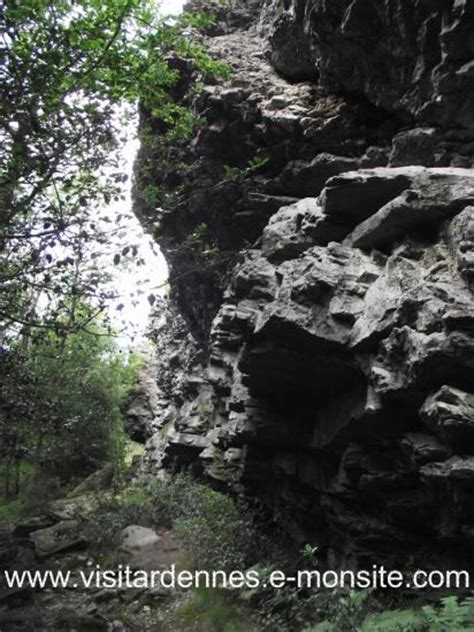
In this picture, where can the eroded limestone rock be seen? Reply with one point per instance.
(310, 365)
(325, 362)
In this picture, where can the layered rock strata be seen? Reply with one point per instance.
(317, 346)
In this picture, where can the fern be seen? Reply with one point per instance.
(394, 621)
(467, 611)
(450, 616)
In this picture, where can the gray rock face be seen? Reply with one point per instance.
(290, 47)
(462, 230)
(339, 381)
(142, 408)
(322, 358)
(425, 203)
(449, 413)
(295, 228)
(302, 135)
(412, 57)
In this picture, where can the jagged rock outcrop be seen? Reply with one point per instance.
(183, 392)
(415, 57)
(264, 143)
(142, 409)
(339, 382)
(323, 356)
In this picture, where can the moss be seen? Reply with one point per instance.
(131, 450)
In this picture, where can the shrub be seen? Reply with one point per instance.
(42, 488)
(450, 616)
(61, 397)
(218, 532)
(12, 510)
(115, 512)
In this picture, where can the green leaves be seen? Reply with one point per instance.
(451, 615)
(62, 397)
(239, 174)
(70, 70)
(217, 532)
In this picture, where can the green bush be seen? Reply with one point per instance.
(348, 613)
(113, 513)
(288, 607)
(62, 396)
(452, 615)
(42, 488)
(80, 382)
(218, 532)
(14, 478)
(11, 510)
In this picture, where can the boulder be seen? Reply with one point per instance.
(294, 229)
(144, 549)
(356, 195)
(99, 480)
(61, 537)
(449, 413)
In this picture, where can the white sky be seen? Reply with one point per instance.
(171, 6)
(136, 283)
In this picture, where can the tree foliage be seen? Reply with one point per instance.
(72, 72)
(60, 403)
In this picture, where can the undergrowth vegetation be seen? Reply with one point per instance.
(451, 615)
(217, 531)
(222, 533)
(75, 75)
(60, 398)
(210, 609)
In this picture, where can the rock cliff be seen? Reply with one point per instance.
(317, 347)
